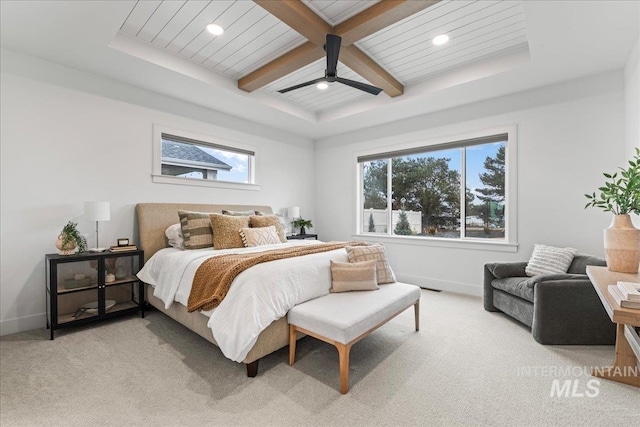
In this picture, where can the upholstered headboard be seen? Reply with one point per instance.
(154, 218)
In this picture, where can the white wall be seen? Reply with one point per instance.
(61, 145)
(632, 100)
(632, 107)
(568, 135)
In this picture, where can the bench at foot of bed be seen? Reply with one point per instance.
(342, 319)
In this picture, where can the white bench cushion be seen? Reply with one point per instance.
(343, 317)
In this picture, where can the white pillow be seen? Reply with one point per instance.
(259, 236)
(549, 260)
(174, 234)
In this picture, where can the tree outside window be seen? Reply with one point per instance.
(427, 188)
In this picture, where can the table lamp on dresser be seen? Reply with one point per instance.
(97, 211)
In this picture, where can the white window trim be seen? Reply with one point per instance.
(510, 242)
(157, 176)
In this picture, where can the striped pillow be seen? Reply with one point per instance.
(353, 276)
(549, 260)
(375, 252)
(196, 229)
(239, 213)
(259, 236)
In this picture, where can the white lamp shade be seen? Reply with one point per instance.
(294, 212)
(97, 211)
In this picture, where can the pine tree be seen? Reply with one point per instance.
(372, 224)
(403, 228)
(493, 193)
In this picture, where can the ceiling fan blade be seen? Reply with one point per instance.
(309, 83)
(362, 86)
(333, 51)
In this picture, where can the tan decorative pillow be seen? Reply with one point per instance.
(196, 229)
(259, 236)
(226, 230)
(266, 221)
(374, 252)
(353, 276)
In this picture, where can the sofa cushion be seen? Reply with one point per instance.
(502, 270)
(518, 286)
(580, 262)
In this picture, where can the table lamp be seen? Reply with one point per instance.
(97, 211)
(293, 212)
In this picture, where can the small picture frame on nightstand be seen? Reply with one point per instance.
(123, 242)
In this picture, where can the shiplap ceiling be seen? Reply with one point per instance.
(478, 30)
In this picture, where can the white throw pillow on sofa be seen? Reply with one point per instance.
(549, 260)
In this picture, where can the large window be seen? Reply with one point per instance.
(183, 158)
(455, 190)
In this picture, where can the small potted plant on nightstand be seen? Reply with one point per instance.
(302, 223)
(70, 239)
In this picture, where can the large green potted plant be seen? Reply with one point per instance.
(70, 239)
(302, 223)
(620, 195)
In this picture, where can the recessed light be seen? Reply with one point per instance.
(215, 29)
(322, 86)
(441, 39)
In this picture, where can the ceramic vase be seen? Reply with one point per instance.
(622, 245)
(68, 249)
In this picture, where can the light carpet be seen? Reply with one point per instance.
(465, 367)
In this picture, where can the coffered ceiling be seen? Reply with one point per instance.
(254, 37)
(496, 48)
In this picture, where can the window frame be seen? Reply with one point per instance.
(204, 140)
(510, 242)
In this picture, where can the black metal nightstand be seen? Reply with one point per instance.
(303, 237)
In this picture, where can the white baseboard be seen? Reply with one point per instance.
(441, 285)
(21, 324)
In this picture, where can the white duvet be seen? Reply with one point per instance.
(257, 297)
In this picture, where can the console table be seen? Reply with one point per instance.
(625, 366)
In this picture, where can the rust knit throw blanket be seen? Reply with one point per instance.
(214, 276)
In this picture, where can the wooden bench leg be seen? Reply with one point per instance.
(292, 344)
(416, 308)
(343, 353)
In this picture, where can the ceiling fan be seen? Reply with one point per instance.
(332, 47)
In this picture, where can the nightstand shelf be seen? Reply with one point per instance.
(77, 291)
(303, 237)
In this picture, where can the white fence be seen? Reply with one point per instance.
(380, 220)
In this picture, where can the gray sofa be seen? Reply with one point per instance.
(559, 308)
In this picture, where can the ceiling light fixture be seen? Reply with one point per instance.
(440, 40)
(215, 29)
(322, 86)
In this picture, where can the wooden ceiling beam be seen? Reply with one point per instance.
(286, 64)
(300, 17)
(366, 67)
(377, 17)
(305, 21)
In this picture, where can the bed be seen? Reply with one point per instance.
(153, 220)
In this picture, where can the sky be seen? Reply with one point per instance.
(239, 165)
